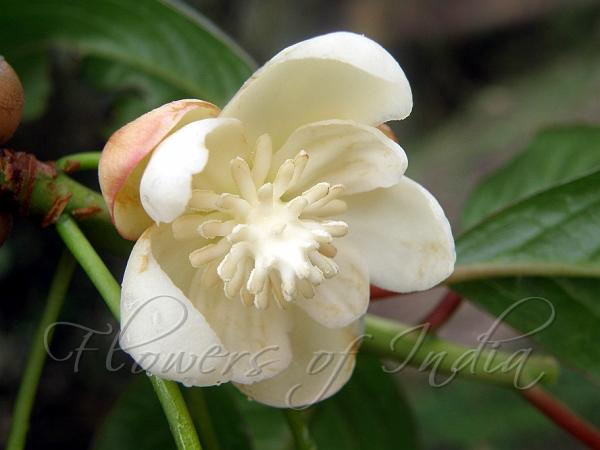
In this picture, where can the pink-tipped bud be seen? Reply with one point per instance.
(126, 154)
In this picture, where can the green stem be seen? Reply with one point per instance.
(91, 263)
(79, 161)
(415, 347)
(300, 433)
(168, 392)
(176, 411)
(37, 354)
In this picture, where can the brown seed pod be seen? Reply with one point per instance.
(12, 100)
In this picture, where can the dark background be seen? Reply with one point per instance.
(485, 76)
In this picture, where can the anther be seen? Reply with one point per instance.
(335, 228)
(203, 200)
(325, 264)
(239, 233)
(275, 283)
(307, 289)
(283, 178)
(209, 252)
(233, 204)
(332, 193)
(262, 159)
(265, 194)
(213, 228)
(333, 208)
(300, 162)
(327, 249)
(186, 227)
(246, 297)
(321, 236)
(256, 280)
(316, 193)
(227, 267)
(243, 178)
(261, 300)
(235, 284)
(297, 205)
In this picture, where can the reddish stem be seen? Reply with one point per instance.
(562, 416)
(440, 314)
(377, 293)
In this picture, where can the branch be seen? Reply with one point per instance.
(442, 312)
(414, 346)
(38, 190)
(78, 161)
(377, 293)
(562, 416)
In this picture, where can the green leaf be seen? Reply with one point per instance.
(151, 53)
(567, 309)
(553, 238)
(555, 230)
(370, 412)
(226, 415)
(267, 426)
(492, 417)
(136, 421)
(547, 236)
(554, 156)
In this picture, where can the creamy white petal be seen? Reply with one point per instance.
(343, 299)
(335, 76)
(160, 328)
(358, 156)
(166, 184)
(256, 341)
(322, 362)
(404, 236)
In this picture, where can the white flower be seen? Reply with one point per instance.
(260, 226)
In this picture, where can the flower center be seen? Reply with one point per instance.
(265, 247)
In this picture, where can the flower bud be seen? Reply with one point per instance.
(11, 101)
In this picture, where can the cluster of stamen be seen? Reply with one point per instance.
(263, 246)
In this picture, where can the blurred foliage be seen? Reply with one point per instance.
(340, 422)
(471, 416)
(146, 55)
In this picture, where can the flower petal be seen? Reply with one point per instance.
(256, 340)
(360, 157)
(160, 328)
(125, 155)
(323, 361)
(205, 145)
(343, 299)
(404, 236)
(335, 76)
